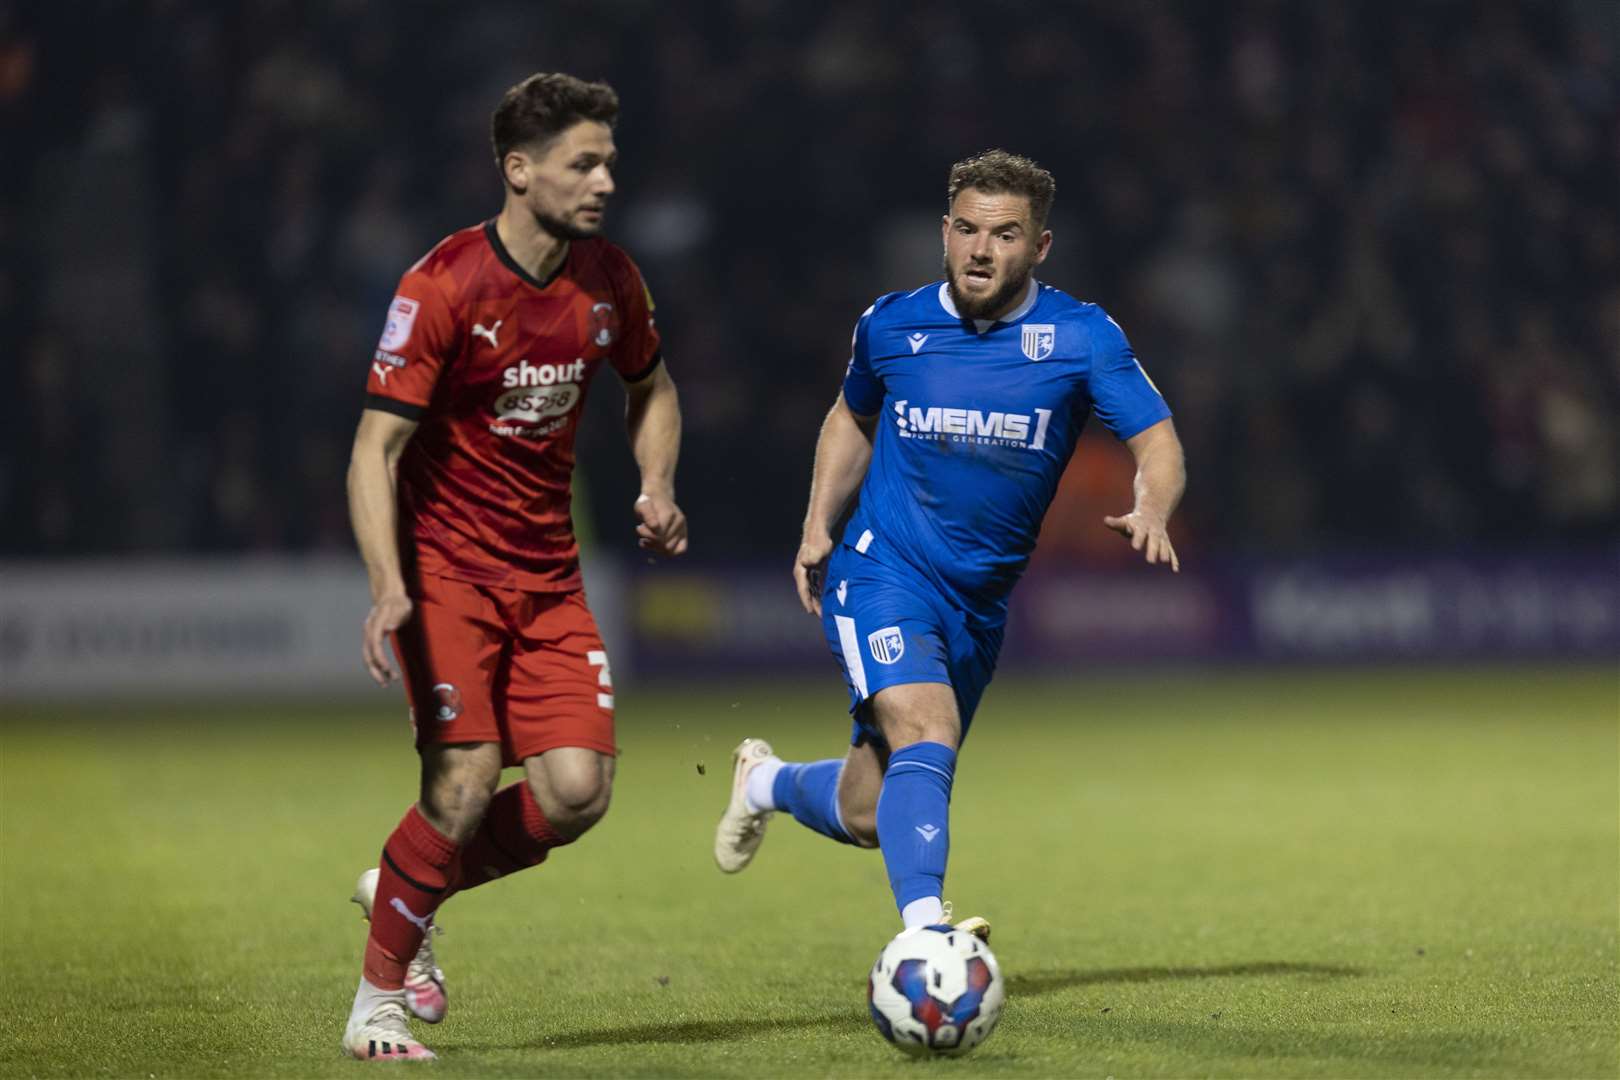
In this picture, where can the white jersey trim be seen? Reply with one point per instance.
(1031, 295)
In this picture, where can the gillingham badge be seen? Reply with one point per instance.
(1039, 340)
(887, 644)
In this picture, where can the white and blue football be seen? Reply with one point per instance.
(935, 990)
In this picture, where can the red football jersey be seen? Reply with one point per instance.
(494, 365)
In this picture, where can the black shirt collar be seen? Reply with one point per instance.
(511, 264)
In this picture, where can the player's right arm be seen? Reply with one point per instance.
(416, 341)
(843, 452)
(374, 514)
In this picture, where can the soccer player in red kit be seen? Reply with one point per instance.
(459, 495)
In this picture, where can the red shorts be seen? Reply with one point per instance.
(523, 669)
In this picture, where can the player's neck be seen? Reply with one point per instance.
(537, 251)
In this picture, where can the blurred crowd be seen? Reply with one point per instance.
(1370, 252)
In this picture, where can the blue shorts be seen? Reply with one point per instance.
(887, 627)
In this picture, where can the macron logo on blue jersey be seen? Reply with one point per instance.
(943, 424)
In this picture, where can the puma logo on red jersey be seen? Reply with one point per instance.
(479, 330)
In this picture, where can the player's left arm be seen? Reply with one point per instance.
(652, 414)
(1128, 403)
(1161, 477)
(653, 417)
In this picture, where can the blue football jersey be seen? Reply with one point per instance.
(977, 423)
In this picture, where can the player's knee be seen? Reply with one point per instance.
(909, 730)
(573, 800)
(917, 712)
(861, 828)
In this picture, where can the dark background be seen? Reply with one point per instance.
(1370, 252)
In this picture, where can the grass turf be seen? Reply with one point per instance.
(1368, 874)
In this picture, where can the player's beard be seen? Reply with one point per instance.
(1017, 281)
(563, 229)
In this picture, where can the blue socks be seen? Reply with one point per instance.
(810, 793)
(913, 817)
(913, 820)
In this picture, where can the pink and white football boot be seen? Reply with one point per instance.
(383, 1036)
(424, 981)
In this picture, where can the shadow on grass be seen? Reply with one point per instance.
(1407, 1045)
(700, 1031)
(1035, 983)
(854, 1019)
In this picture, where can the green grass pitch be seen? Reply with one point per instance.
(1363, 874)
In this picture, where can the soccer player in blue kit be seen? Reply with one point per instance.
(960, 408)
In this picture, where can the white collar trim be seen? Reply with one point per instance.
(981, 325)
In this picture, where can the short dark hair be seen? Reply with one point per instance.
(543, 106)
(997, 172)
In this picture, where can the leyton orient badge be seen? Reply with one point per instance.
(449, 698)
(604, 324)
(1039, 340)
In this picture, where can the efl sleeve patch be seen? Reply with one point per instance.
(637, 353)
(418, 340)
(863, 390)
(1122, 395)
(401, 318)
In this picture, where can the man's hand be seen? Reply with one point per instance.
(663, 527)
(387, 614)
(1148, 534)
(809, 567)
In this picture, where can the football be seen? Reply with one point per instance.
(935, 990)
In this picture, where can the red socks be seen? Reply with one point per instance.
(513, 836)
(421, 868)
(417, 868)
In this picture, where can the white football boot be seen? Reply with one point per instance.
(424, 982)
(741, 830)
(976, 925)
(383, 1036)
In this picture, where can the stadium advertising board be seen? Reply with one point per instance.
(219, 626)
(697, 620)
(1561, 606)
(292, 626)
(288, 626)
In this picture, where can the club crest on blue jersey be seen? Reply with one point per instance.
(1039, 340)
(887, 645)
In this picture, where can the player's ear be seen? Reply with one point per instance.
(515, 169)
(1044, 248)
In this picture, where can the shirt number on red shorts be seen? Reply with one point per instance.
(604, 678)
